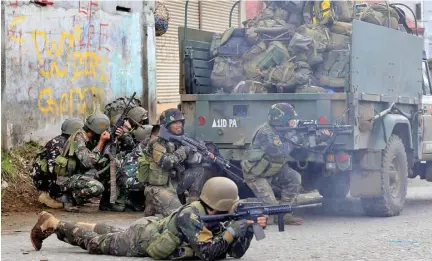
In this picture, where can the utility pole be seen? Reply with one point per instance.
(149, 61)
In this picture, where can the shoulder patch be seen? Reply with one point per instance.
(205, 235)
(276, 141)
(159, 148)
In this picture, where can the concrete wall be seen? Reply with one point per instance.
(66, 59)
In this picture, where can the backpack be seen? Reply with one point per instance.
(227, 73)
(378, 14)
(334, 69)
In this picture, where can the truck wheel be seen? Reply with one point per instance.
(394, 179)
(336, 186)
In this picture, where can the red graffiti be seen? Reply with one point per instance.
(102, 37)
(13, 4)
(86, 9)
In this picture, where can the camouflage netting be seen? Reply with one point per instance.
(161, 15)
(287, 49)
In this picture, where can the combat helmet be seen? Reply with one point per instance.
(142, 132)
(71, 125)
(169, 116)
(97, 122)
(219, 193)
(137, 114)
(280, 114)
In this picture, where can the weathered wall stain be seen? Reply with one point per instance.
(67, 59)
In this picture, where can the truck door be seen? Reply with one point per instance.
(425, 119)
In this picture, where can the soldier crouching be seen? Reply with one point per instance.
(167, 167)
(44, 178)
(77, 162)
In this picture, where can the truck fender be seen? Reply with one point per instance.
(393, 123)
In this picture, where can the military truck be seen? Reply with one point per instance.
(387, 100)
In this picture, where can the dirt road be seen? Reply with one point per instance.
(326, 235)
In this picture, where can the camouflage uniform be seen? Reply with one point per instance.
(277, 173)
(265, 163)
(43, 174)
(168, 175)
(80, 185)
(190, 237)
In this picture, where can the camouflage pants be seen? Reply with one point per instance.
(192, 180)
(163, 198)
(109, 240)
(287, 179)
(82, 188)
(46, 182)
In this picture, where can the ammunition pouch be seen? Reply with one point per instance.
(162, 245)
(256, 164)
(64, 167)
(43, 164)
(144, 168)
(157, 176)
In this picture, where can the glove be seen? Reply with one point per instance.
(194, 158)
(182, 152)
(238, 228)
(294, 139)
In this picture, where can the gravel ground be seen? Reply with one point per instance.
(328, 234)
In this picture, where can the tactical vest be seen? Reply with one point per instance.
(169, 238)
(257, 163)
(156, 175)
(66, 163)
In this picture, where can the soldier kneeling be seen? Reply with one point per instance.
(44, 178)
(78, 164)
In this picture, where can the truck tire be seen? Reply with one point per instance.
(394, 180)
(336, 186)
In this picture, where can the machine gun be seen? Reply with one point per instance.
(113, 152)
(196, 146)
(253, 210)
(310, 128)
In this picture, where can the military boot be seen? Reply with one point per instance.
(45, 199)
(45, 226)
(150, 209)
(68, 203)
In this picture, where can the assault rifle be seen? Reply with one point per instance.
(310, 128)
(196, 146)
(253, 210)
(113, 151)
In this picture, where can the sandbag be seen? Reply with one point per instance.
(227, 73)
(334, 69)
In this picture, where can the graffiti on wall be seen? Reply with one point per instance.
(71, 59)
(70, 101)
